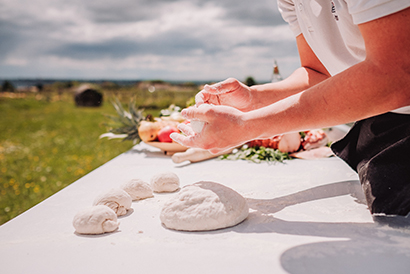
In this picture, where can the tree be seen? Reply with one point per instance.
(7, 86)
(250, 81)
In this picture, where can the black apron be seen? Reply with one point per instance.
(378, 149)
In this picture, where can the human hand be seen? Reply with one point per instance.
(230, 92)
(223, 128)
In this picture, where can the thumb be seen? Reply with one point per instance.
(201, 98)
(208, 95)
(226, 86)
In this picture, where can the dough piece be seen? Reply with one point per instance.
(197, 125)
(204, 206)
(116, 199)
(95, 220)
(165, 182)
(137, 189)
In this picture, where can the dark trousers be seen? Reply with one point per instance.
(378, 149)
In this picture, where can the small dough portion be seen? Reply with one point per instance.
(116, 199)
(197, 125)
(204, 206)
(95, 220)
(137, 189)
(165, 182)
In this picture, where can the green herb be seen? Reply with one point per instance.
(257, 155)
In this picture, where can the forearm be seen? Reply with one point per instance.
(301, 79)
(361, 91)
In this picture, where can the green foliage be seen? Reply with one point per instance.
(62, 85)
(150, 100)
(257, 155)
(191, 102)
(157, 81)
(250, 81)
(189, 85)
(7, 86)
(45, 146)
(46, 143)
(110, 85)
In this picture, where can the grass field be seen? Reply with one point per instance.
(46, 143)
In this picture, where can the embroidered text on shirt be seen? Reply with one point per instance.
(334, 11)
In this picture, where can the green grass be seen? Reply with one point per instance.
(45, 145)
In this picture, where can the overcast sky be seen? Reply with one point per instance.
(144, 39)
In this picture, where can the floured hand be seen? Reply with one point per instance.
(223, 128)
(230, 92)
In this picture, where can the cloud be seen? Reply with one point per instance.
(173, 39)
(174, 43)
(254, 13)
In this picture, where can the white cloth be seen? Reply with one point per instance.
(330, 28)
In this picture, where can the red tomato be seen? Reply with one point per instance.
(163, 134)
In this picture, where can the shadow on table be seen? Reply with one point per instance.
(149, 153)
(379, 247)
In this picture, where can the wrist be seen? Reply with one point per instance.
(253, 125)
(255, 98)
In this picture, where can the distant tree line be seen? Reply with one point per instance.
(7, 86)
(250, 81)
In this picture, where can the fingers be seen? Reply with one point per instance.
(191, 141)
(223, 87)
(207, 96)
(210, 93)
(186, 141)
(179, 138)
(187, 130)
(198, 113)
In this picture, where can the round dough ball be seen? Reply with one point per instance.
(204, 206)
(165, 182)
(137, 189)
(116, 199)
(95, 220)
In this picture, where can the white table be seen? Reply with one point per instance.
(306, 217)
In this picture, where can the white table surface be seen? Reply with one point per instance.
(306, 217)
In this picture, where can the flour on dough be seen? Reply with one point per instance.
(116, 199)
(204, 206)
(165, 182)
(137, 189)
(95, 220)
(197, 125)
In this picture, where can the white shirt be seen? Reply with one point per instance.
(330, 28)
